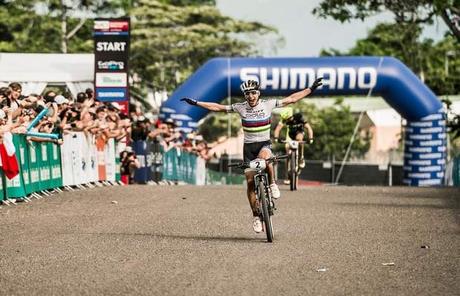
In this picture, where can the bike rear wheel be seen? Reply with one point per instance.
(266, 218)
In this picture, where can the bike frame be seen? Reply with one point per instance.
(262, 177)
(264, 200)
(293, 162)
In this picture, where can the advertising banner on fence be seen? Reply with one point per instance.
(111, 52)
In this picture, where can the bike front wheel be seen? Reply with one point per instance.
(266, 218)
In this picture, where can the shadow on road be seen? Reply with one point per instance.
(189, 237)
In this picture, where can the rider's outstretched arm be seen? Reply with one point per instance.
(295, 97)
(207, 105)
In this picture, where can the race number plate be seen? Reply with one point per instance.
(258, 164)
(294, 144)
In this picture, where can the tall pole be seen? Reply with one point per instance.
(229, 116)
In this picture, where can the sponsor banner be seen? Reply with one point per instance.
(113, 94)
(424, 144)
(45, 170)
(110, 33)
(200, 171)
(15, 187)
(24, 151)
(424, 182)
(111, 51)
(155, 160)
(418, 150)
(419, 175)
(424, 162)
(101, 161)
(111, 166)
(111, 46)
(86, 159)
(420, 137)
(426, 124)
(423, 169)
(420, 124)
(456, 171)
(425, 130)
(426, 137)
(419, 154)
(423, 175)
(106, 79)
(436, 116)
(110, 65)
(114, 25)
(141, 175)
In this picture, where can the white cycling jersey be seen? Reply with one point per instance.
(256, 121)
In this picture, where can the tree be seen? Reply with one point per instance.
(170, 38)
(189, 2)
(405, 12)
(430, 61)
(453, 126)
(58, 26)
(170, 42)
(332, 128)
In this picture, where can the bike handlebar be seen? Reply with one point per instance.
(300, 142)
(245, 164)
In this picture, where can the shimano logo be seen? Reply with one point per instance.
(300, 78)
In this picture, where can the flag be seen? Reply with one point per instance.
(8, 159)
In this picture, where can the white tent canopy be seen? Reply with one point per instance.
(35, 71)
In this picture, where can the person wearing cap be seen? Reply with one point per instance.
(255, 116)
(89, 93)
(60, 99)
(81, 97)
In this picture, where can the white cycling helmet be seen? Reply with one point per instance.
(249, 85)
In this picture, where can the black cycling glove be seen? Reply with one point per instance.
(316, 84)
(189, 101)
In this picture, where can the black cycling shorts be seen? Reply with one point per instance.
(251, 150)
(293, 132)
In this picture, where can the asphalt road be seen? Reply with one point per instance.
(184, 240)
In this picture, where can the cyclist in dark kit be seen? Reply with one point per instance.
(296, 125)
(255, 116)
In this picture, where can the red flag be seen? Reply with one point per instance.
(9, 162)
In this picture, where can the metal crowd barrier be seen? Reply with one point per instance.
(45, 166)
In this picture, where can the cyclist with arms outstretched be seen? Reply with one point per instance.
(255, 116)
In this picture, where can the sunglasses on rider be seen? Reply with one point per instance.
(252, 92)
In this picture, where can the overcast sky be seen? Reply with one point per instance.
(305, 34)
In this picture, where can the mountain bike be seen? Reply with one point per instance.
(265, 203)
(293, 163)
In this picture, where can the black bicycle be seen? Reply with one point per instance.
(293, 163)
(265, 203)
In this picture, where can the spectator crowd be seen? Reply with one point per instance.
(85, 113)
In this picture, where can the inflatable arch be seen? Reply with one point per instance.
(425, 142)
